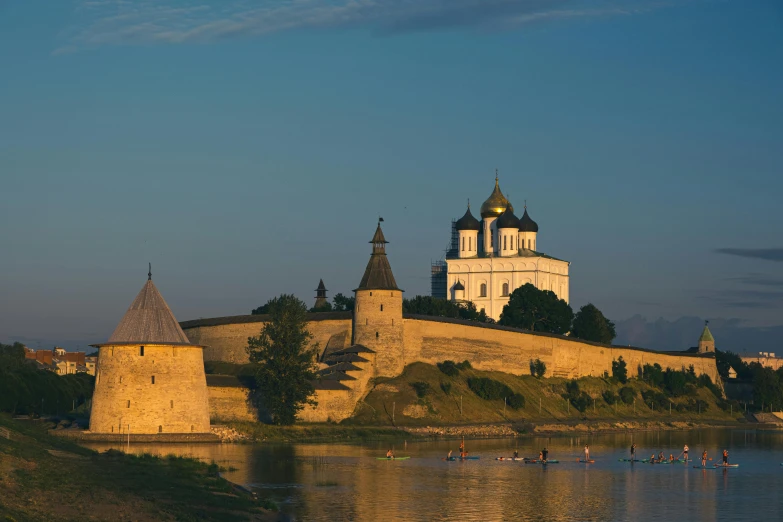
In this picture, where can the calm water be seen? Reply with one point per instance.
(344, 482)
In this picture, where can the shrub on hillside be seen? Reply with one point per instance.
(421, 388)
(464, 365)
(610, 397)
(446, 387)
(537, 368)
(705, 381)
(619, 370)
(489, 389)
(450, 368)
(516, 401)
(581, 402)
(627, 394)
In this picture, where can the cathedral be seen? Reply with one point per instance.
(489, 259)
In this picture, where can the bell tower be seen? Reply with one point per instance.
(377, 316)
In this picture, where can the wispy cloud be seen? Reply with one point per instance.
(125, 22)
(756, 279)
(768, 254)
(745, 298)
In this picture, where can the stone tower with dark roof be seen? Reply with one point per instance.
(320, 295)
(150, 377)
(706, 341)
(377, 316)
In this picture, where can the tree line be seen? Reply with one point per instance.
(26, 390)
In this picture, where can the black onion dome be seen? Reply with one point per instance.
(468, 222)
(526, 224)
(459, 285)
(507, 219)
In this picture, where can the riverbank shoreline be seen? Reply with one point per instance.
(256, 433)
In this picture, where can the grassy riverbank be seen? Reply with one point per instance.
(259, 432)
(47, 478)
(448, 400)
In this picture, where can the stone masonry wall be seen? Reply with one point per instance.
(225, 338)
(378, 325)
(230, 403)
(510, 351)
(125, 394)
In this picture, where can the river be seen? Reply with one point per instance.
(328, 482)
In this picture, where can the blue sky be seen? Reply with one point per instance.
(246, 148)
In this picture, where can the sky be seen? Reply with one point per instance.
(247, 148)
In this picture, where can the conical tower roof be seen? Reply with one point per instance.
(706, 335)
(149, 320)
(378, 274)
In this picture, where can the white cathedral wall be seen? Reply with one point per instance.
(545, 274)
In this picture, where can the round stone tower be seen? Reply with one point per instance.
(377, 315)
(150, 377)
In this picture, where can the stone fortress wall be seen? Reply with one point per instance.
(431, 340)
(161, 391)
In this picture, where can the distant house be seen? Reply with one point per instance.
(732, 373)
(62, 362)
(766, 359)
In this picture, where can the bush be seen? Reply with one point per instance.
(572, 388)
(516, 401)
(610, 397)
(581, 401)
(705, 382)
(489, 389)
(537, 368)
(619, 371)
(652, 374)
(421, 388)
(627, 394)
(449, 368)
(464, 365)
(446, 387)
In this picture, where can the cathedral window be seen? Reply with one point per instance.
(505, 289)
(504, 242)
(483, 290)
(470, 243)
(141, 351)
(463, 244)
(528, 244)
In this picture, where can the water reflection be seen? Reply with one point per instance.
(346, 482)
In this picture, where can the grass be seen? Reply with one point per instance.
(398, 399)
(47, 478)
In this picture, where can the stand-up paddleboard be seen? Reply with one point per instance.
(510, 459)
(583, 461)
(544, 462)
(628, 460)
(392, 458)
(452, 459)
(726, 465)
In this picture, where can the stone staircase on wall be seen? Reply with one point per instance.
(350, 367)
(769, 418)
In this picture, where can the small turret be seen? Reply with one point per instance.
(320, 295)
(459, 291)
(508, 230)
(706, 341)
(528, 230)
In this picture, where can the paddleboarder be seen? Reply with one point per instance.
(390, 454)
(449, 455)
(462, 452)
(704, 459)
(671, 457)
(685, 452)
(725, 457)
(633, 451)
(516, 454)
(587, 453)
(661, 458)
(540, 455)
(544, 453)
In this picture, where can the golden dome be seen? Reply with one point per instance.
(496, 203)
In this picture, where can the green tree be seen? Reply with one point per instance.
(326, 307)
(537, 310)
(428, 305)
(341, 303)
(591, 325)
(767, 389)
(619, 370)
(726, 360)
(537, 368)
(285, 363)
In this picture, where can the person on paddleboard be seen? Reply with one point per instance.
(516, 454)
(449, 455)
(704, 459)
(390, 454)
(587, 452)
(725, 457)
(671, 457)
(661, 458)
(633, 451)
(685, 453)
(544, 453)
